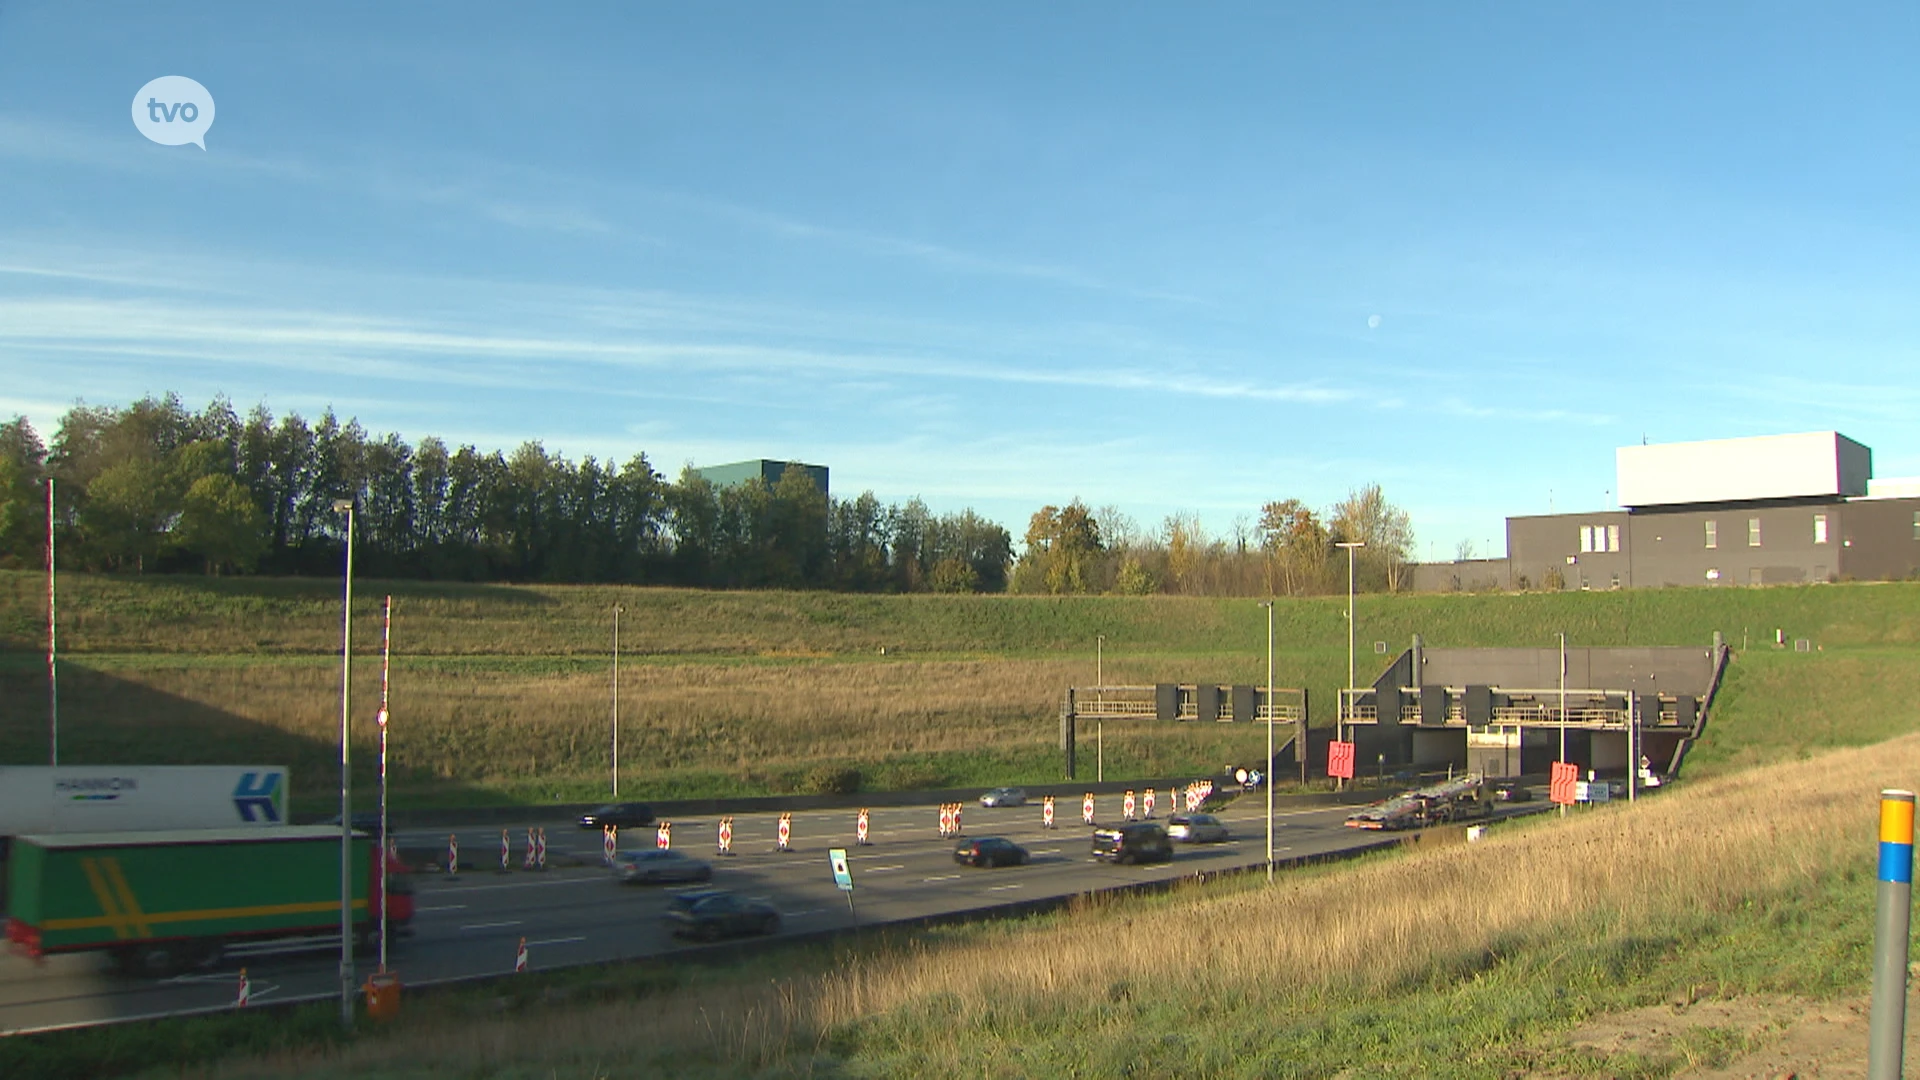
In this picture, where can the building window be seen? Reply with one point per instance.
(1819, 528)
(1713, 533)
(1586, 539)
(1753, 532)
(1613, 538)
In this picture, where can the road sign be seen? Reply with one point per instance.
(1560, 788)
(1046, 811)
(842, 876)
(1340, 760)
(1086, 808)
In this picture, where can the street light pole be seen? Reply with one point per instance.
(1268, 604)
(345, 506)
(1100, 698)
(616, 701)
(53, 642)
(1346, 704)
(386, 662)
(1563, 708)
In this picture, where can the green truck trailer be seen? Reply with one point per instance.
(164, 902)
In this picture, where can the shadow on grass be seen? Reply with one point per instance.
(107, 720)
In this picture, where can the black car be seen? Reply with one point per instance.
(709, 914)
(1512, 791)
(990, 851)
(1135, 842)
(626, 815)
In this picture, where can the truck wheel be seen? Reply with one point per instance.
(156, 961)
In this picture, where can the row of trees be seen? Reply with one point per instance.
(158, 487)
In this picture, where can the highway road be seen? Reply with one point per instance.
(470, 924)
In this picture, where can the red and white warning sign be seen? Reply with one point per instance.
(1126, 806)
(453, 854)
(956, 820)
(946, 819)
(540, 849)
(506, 852)
(1563, 783)
(663, 836)
(526, 861)
(1086, 808)
(609, 841)
(246, 991)
(520, 958)
(786, 832)
(860, 827)
(726, 836)
(1149, 802)
(1340, 760)
(1046, 811)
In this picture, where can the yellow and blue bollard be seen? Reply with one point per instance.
(1893, 906)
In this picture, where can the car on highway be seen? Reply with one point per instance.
(1512, 791)
(626, 815)
(991, 851)
(710, 914)
(1196, 829)
(657, 865)
(1004, 796)
(1133, 842)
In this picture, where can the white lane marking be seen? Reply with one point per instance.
(439, 907)
(556, 941)
(942, 877)
(492, 925)
(440, 890)
(799, 914)
(884, 869)
(1046, 851)
(1001, 888)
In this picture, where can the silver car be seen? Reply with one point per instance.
(1196, 828)
(1004, 796)
(650, 865)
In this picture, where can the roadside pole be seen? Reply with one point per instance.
(843, 878)
(1893, 904)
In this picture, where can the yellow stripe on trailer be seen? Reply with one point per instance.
(118, 922)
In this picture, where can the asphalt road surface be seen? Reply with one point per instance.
(471, 924)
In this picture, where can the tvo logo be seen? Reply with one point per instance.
(174, 110)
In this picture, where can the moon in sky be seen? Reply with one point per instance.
(1373, 322)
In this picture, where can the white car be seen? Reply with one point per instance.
(1004, 796)
(1197, 829)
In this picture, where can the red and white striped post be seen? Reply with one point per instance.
(526, 861)
(663, 836)
(506, 853)
(1086, 808)
(786, 832)
(453, 855)
(1046, 812)
(540, 850)
(520, 958)
(609, 841)
(1149, 802)
(860, 828)
(726, 836)
(246, 991)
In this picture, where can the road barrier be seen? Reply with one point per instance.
(1149, 802)
(609, 841)
(506, 853)
(957, 830)
(1126, 806)
(246, 991)
(860, 828)
(526, 861)
(946, 820)
(1086, 808)
(520, 958)
(663, 836)
(726, 836)
(786, 833)
(1046, 812)
(540, 850)
(453, 855)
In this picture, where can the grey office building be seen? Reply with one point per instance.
(1774, 510)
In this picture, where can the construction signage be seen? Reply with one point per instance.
(1046, 812)
(1086, 808)
(1126, 806)
(663, 836)
(860, 827)
(1560, 789)
(726, 836)
(1340, 760)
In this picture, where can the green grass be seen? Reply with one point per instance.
(501, 692)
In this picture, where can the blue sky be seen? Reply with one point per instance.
(1171, 258)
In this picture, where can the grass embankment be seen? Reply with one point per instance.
(503, 692)
(1461, 961)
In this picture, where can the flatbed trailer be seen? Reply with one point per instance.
(1437, 804)
(164, 902)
